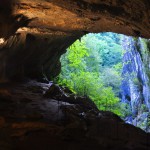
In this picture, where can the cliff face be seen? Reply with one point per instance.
(37, 32)
(136, 85)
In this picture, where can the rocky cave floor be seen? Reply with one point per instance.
(39, 116)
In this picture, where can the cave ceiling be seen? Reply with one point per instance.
(37, 32)
(131, 17)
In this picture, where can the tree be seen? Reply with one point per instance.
(90, 67)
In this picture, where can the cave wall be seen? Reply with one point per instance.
(37, 32)
(33, 54)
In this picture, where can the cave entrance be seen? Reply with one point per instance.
(108, 68)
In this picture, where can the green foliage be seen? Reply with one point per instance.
(148, 120)
(125, 109)
(76, 54)
(92, 67)
(107, 100)
(144, 108)
(118, 67)
(145, 53)
(112, 78)
(106, 48)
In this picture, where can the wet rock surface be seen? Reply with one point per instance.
(30, 120)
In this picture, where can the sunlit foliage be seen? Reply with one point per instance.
(92, 67)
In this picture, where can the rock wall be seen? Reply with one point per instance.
(136, 84)
(32, 120)
(33, 54)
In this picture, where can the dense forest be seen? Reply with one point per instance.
(92, 67)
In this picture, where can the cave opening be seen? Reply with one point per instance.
(36, 113)
(110, 69)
